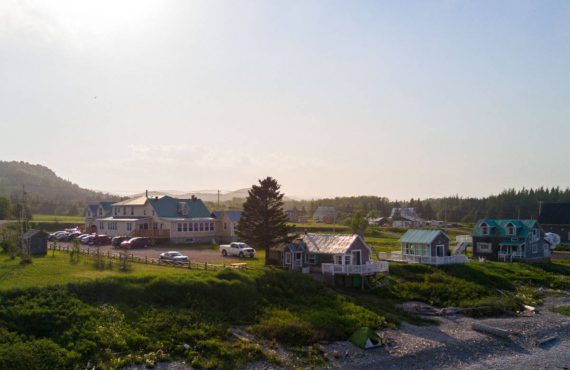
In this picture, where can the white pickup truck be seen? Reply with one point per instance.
(237, 249)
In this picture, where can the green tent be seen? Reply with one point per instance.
(366, 338)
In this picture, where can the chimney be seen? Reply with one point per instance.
(146, 192)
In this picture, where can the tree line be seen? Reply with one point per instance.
(510, 203)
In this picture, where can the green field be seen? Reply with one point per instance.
(55, 218)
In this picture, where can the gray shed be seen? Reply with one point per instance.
(37, 241)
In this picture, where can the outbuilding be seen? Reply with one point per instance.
(35, 242)
(425, 243)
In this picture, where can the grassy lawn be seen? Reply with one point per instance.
(50, 270)
(55, 218)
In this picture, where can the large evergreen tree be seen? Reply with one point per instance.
(263, 222)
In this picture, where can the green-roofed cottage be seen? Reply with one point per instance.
(424, 246)
(425, 243)
(510, 240)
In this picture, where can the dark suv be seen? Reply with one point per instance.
(117, 240)
(138, 242)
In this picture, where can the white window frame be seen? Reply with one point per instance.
(185, 227)
(338, 259)
(484, 229)
(287, 258)
(347, 259)
(442, 250)
(510, 226)
(179, 227)
(312, 259)
(483, 247)
(129, 226)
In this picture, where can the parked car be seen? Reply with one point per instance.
(73, 234)
(173, 256)
(61, 236)
(101, 239)
(237, 249)
(137, 242)
(88, 239)
(117, 240)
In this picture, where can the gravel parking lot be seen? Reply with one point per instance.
(197, 253)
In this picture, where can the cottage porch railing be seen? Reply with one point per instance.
(366, 269)
(428, 260)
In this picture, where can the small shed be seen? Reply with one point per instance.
(35, 241)
(426, 243)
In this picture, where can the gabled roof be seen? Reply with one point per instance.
(32, 232)
(93, 207)
(167, 207)
(107, 206)
(555, 214)
(136, 201)
(421, 236)
(499, 227)
(234, 216)
(329, 243)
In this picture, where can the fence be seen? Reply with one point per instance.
(366, 269)
(143, 260)
(446, 260)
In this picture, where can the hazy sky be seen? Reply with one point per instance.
(393, 98)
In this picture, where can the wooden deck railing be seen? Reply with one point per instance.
(446, 260)
(366, 269)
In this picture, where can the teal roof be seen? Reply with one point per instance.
(107, 206)
(421, 236)
(167, 207)
(499, 227)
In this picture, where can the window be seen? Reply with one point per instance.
(312, 259)
(101, 225)
(116, 211)
(484, 229)
(201, 226)
(484, 247)
(161, 226)
(132, 211)
(144, 212)
(211, 226)
(195, 227)
(179, 228)
(347, 259)
(338, 260)
(124, 210)
(511, 229)
(287, 258)
(225, 225)
(185, 226)
(129, 227)
(154, 226)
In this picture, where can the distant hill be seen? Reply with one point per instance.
(47, 193)
(206, 196)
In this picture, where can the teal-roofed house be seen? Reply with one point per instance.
(424, 246)
(160, 217)
(510, 240)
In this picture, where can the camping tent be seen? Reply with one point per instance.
(366, 338)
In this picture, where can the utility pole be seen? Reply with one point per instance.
(218, 200)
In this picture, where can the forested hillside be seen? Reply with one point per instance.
(510, 203)
(47, 193)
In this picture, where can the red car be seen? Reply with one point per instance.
(101, 240)
(137, 242)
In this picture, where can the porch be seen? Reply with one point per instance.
(371, 268)
(510, 251)
(428, 260)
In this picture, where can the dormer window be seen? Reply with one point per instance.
(511, 229)
(484, 229)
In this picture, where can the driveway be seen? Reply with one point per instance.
(194, 253)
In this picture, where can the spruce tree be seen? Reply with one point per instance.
(263, 222)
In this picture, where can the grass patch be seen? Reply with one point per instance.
(564, 310)
(56, 218)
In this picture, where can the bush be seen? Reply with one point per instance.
(284, 327)
(36, 355)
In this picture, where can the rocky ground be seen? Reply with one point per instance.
(454, 345)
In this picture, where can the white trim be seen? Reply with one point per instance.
(352, 259)
(287, 258)
(484, 247)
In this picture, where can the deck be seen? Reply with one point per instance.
(366, 269)
(447, 260)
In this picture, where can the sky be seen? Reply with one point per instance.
(332, 98)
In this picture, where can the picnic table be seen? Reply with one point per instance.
(238, 265)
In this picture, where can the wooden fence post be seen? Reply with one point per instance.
(206, 266)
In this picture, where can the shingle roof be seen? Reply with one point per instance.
(234, 216)
(499, 227)
(107, 206)
(555, 214)
(329, 243)
(167, 207)
(136, 201)
(421, 236)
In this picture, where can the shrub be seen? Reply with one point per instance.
(285, 327)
